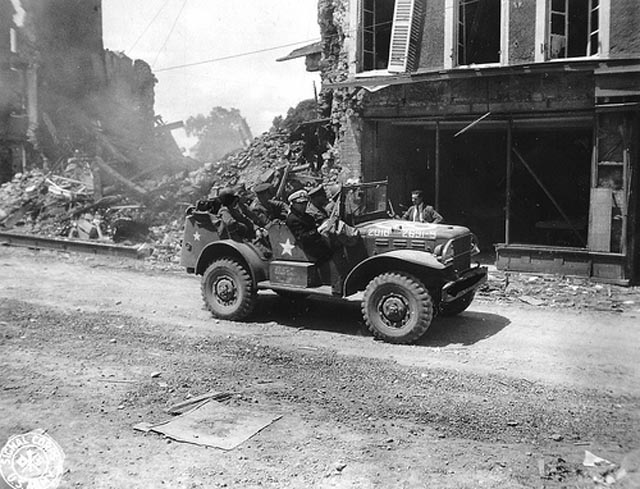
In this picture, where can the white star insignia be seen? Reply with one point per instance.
(196, 236)
(287, 247)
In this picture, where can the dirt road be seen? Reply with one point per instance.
(501, 396)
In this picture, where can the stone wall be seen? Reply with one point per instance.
(625, 28)
(341, 105)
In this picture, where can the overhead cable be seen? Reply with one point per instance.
(148, 25)
(175, 22)
(248, 53)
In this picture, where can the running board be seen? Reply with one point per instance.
(321, 290)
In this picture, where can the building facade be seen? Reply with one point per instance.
(518, 118)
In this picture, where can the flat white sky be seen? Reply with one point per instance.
(205, 29)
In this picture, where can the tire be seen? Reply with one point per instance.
(397, 308)
(459, 305)
(227, 290)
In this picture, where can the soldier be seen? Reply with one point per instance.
(235, 225)
(265, 208)
(304, 228)
(317, 246)
(319, 206)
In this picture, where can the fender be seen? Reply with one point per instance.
(247, 254)
(392, 260)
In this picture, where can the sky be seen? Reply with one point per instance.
(169, 33)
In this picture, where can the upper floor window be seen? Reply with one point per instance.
(478, 32)
(377, 20)
(389, 34)
(573, 28)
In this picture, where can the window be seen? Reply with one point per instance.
(377, 20)
(390, 34)
(574, 28)
(478, 32)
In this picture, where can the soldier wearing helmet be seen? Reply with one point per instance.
(235, 225)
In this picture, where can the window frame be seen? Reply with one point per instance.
(360, 45)
(451, 61)
(543, 33)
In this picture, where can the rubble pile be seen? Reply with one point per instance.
(77, 199)
(258, 162)
(54, 205)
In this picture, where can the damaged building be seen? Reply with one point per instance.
(62, 93)
(518, 118)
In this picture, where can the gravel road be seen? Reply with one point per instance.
(505, 395)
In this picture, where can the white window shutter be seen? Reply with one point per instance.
(405, 35)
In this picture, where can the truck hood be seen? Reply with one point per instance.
(401, 229)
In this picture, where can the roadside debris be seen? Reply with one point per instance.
(591, 460)
(212, 424)
(556, 469)
(553, 291)
(193, 402)
(531, 300)
(604, 472)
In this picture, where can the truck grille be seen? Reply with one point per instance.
(462, 253)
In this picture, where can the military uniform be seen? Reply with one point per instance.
(235, 225)
(305, 231)
(270, 211)
(319, 214)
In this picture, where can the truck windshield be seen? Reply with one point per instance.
(364, 202)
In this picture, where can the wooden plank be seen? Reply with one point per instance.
(600, 208)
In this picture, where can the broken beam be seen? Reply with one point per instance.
(125, 181)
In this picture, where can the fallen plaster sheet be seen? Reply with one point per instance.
(213, 424)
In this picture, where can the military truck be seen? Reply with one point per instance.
(405, 273)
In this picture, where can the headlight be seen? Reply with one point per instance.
(444, 252)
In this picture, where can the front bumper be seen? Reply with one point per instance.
(468, 281)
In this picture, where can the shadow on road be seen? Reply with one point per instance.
(465, 329)
(346, 318)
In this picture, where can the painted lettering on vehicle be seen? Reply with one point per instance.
(379, 233)
(418, 233)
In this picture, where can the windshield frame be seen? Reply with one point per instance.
(353, 219)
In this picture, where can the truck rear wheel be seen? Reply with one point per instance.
(459, 305)
(227, 289)
(397, 307)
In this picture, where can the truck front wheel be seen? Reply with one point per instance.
(397, 307)
(227, 290)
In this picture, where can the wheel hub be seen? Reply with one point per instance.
(394, 309)
(225, 290)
